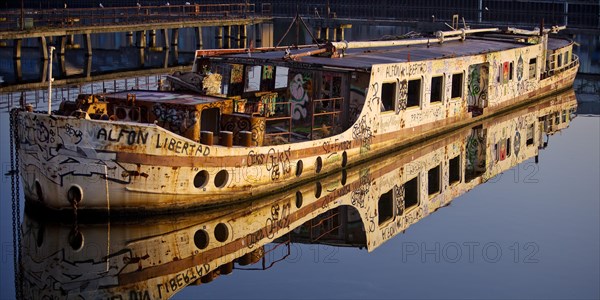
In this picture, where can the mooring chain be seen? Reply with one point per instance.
(16, 210)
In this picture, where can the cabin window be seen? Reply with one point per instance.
(559, 61)
(209, 120)
(414, 93)
(454, 170)
(496, 152)
(436, 89)
(411, 193)
(564, 116)
(267, 78)
(567, 57)
(457, 85)
(532, 68)
(433, 180)
(252, 79)
(281, 77)
(529, 135)
(508, 144)
(388, 96)
(386, 207)
(511, 70)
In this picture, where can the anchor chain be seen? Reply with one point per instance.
(16, 206)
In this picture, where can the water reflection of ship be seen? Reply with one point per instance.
(362, 206)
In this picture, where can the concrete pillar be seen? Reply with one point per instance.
(335, 34)
(87, 41)
(71, 39)
(62, 45)
(199, 38)
(227, 37)
(219, 37)
(62, 68)
(142, 57)
(166, 59)
(238, 37)
(129, 36)
(141, 39)
(266, 34)
(318, 32)
(43, 48)
(175, 53)
(165, 32)
(566, 14)
(326, 33)
(17, 48)
(152, 38)
(175, 38)
(18, 70)
(44, 71)
(88, 67)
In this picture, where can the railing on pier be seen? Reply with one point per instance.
(106, 16)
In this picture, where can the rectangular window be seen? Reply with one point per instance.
(454, 170)
(437, 89)
(388, 96)
(508, 144)
(532, 68)
(252, 78)
(529, 135)
(433, 181)
(511, 71)
(386, 207)
(457, 85)
(559, 61)
(564, 116)
(414, 93)
(281, 77)
(411, 193)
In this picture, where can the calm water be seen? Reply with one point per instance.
(533, 231)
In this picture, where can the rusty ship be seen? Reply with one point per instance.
(249, 122)
(361, 206)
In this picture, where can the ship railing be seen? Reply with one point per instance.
(329, 108)
(573, 63)
(280, 114)
(324, 226)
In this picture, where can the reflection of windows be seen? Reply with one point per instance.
(386, 206)
(436, 89)
(457, 84)
(508, 144)
(411, 193)
(252, 78)
(454, 170)
(529, 135)
(414, 93)
(433, 180)
(281, 77)
(388, 96)
(532, 68)
(564, 116)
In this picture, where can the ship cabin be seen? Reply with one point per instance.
(250, 97)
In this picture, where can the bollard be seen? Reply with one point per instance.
(227, 138)
(206, 138)
(246, 138)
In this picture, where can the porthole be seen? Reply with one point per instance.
(221, 232)
(221, 178)
(76, 240)
(201, 239)
(201, 179)
(299, 167)
(74, 195)
(318, 165)
(298, 199)
(318, 190)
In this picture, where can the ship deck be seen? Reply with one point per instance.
(164, 97)
(365, 58)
